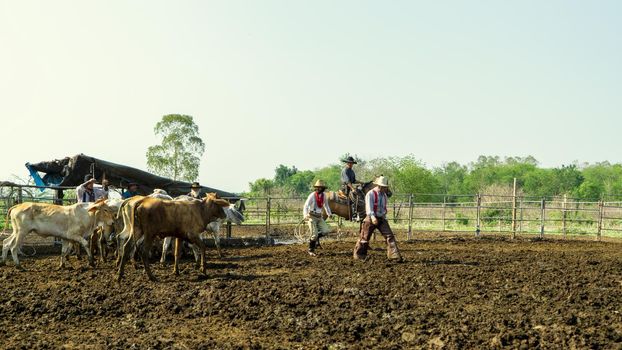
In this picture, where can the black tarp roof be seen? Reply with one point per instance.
(70, 171)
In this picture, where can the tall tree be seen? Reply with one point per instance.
(179, 155)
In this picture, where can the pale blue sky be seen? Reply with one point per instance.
(302, 82)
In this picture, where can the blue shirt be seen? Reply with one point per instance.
(129, 194)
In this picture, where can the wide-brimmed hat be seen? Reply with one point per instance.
(381, 181)
(349, 160)
(319, 183)
(195, 185)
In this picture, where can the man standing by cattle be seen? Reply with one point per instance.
(132, 190)
(90, 192)
(376, 210)
(312, 212)
(195, 190)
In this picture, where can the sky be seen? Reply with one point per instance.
(301, 83)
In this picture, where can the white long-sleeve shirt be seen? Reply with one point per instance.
(380, 199)
(83, 196)
(311, 205)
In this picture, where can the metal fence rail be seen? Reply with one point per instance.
(412, 213)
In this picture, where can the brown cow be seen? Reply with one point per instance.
(187, 220)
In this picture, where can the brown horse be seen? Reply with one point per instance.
(341, 207)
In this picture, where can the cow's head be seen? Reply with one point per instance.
(220, 210)
(104, 214)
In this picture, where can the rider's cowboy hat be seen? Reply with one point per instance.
(382, 181)
(320, 183)
(349, 160)
(195, 185)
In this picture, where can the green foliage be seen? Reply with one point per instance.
(283, 173)
(487, 175)
(261, 187)
(331, 175)
(178, 155)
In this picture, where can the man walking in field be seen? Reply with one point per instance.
(312, 212)
(376, 210)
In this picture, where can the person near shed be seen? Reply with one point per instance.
(376, 210)
(348, 186)
(89, 191)
(312, 212)
(132, 190)
(195, 190)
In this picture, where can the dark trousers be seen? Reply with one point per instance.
(360, 250)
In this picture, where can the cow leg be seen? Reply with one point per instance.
(65, 250)
(178, 244)
(197, 255)
(120, 248)
(165, 244)
(76, 247)
(17, 244)
(217, 243)
(93, 239)
(102, 247)
(203, 260)
(85, 244)
(6, 245)
(146, 248)
(123, 255)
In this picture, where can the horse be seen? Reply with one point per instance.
(340, 206)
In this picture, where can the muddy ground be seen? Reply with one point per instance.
(449, 293)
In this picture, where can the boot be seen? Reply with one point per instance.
(393, 253)
(312, 245)
(360, 250)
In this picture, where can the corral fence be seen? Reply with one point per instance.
(281, 217)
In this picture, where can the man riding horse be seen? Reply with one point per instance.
(350, 189)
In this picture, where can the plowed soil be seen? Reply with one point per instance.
(449, 293)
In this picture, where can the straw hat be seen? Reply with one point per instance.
(382, 181)
(319, 183)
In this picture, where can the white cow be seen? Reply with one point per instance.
(69, 223)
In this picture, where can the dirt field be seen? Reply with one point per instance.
(450, 293)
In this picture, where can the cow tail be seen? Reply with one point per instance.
(7, 222)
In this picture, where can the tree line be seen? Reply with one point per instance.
(486, 175)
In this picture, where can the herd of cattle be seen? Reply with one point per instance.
(134, 223)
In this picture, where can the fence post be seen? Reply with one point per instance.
(564, 204)
(542, 216)
(410, 216)
(19, 195)
(478, 222)
(268, 205)
(514, 211)
(601, 208)
(520, 222)
(444, 204)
